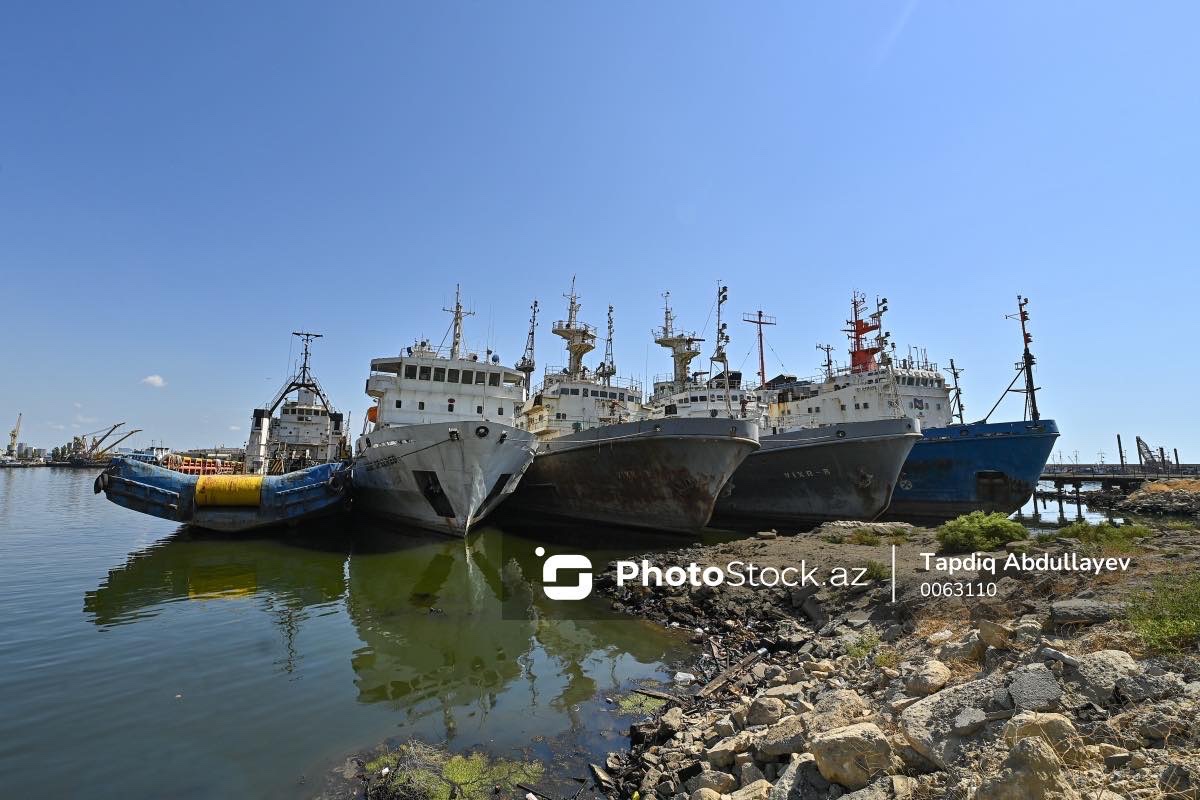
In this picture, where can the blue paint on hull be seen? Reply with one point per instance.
(975, 467)
(283, 499)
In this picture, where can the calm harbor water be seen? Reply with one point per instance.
(141, 660)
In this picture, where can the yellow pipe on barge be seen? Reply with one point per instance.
(228, 490)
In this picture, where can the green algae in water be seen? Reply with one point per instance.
(417, 771)
(634, 703)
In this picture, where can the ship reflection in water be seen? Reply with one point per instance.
(430, 640)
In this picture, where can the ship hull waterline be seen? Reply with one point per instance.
(661, 474)
(248, 502)
(990, 467)
(443, 477)
(804, 478)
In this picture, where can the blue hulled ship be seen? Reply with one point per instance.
(956, 467)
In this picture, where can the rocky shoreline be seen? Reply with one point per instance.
(1033, 688)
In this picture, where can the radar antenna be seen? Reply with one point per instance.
(527, 365)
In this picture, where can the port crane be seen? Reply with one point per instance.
(12, 438)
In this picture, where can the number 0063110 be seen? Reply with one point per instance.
(958, 589)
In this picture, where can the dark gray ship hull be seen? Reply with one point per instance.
(803, 478)
(660, 474)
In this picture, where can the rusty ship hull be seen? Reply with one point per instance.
(802, 478)
(660, 474)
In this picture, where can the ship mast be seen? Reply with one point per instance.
(608, 367)
(719, 355)
(862, 355)
(682, 345)
(457, 311)
(580, 337)
(1027, 360)
(305, 377)
(527, 365)
(828, 350)
(957, 402)
(760, 319)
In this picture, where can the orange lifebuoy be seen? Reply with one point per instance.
(373, 414)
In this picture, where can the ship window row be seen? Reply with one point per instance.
(450, 406)
(564, 390)
(911, 381)
(444, 375)
(864, 405)
(309, 412)
(814, 409)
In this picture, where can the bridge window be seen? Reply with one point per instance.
(856, 406)
(452, 376)
(478, 409)
(574, 391)
(500, 411)
(622, 397)
(439, 374)
(425, 373)
(585, 392)
(493, 379)
(410, 370)
(468, 376)
(866, 405)
(420, 405)
(397, 404)
(480, 377)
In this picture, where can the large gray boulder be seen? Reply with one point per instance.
(1034, 688)
(1084, 611)
(786, 736)
(892, 787)
(1139, 688)
(929, 723)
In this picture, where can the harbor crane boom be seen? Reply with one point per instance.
(115, 442)
(12, 437)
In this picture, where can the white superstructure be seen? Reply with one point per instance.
(308, 429)
(875, 385)
(574, 398)
(441, 449)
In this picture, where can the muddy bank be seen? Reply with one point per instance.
(1057, 676)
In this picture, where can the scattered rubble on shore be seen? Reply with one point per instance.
(813, 693)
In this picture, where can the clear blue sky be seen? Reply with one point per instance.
(183, 184)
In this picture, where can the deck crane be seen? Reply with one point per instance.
(114, 443)
(96, 442)
(12, 438)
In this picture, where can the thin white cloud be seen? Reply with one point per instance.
(58, 426)
(889, 43)
(157, 381)
(234, 428)
(77, 404)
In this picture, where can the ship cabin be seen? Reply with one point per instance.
(423, 387)
(905, 388)
(565, 405)
(715, 397)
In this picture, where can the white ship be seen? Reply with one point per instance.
(440, 450)
(307, 431)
